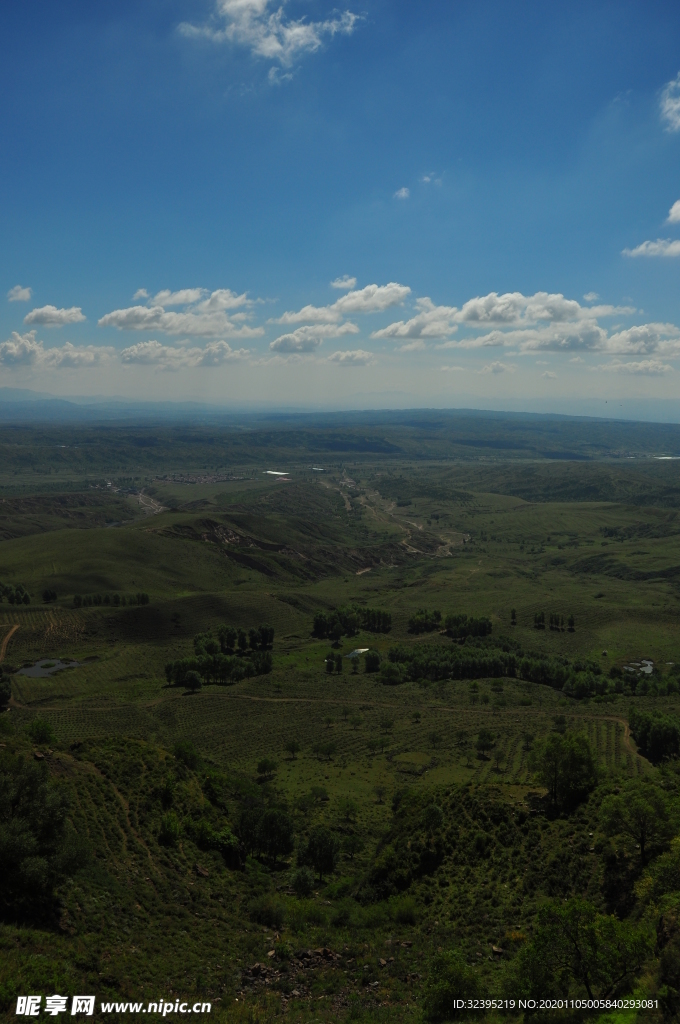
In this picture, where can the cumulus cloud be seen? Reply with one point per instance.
(646, 367)
(670, 105)
(452, 369)
(430, 322)
(549, 375)
(344, 282)
(19, 294)
(591, 297)
(498, 368)
(22, 350)
(413, 346)
(674, 213)
(261, 26)
(50, 316)
(515, 308)
(662, 247)
(309, 337)
(141, 293)
(169, 357)
(355, 357)
(402, 193)
(371, 299)
(206, 314)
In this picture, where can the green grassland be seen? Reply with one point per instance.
(404, 528)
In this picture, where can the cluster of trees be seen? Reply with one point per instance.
(5, 691)
(116, 600)
(14, 593)
(335, 662)
(48, 596)
(556, 622)
(231, 656)
(347, 621)
(565, 765)
(458, 627)
(657, 736)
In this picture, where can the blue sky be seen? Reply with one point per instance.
(367, 205)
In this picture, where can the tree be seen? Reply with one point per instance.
(513, 617)
(321, 851)
(639, 812)
(434, 738)
(345, 713)
(338, 663)
(355, 666)
(275, 834)
(242, 641)
(293, 748)
(573, 945)
(40, 731)
(355, 721)
(38, 846)
(5, 690)
(416, 717)
(380, 793)
(372, 661)
(330, 663)
(527, 740)
(193, 681)
(566, 767)
(303, 882)
(328, 721)
(266, 767)
(485, 741)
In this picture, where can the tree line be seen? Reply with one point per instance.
(233, 654)
(14, 593)
(458, 627)
(348, 620)
(114, 600)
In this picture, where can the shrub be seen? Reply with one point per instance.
(169, 833)
(450, 979)
(267, 910)
(404, 911)
(40, 731)
(303, 881)
(186, 752)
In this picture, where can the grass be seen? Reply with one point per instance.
(141, 918)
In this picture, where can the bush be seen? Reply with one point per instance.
(169, 833)
(267, 910)
(186, 752)
(40, 731)
(303, 881)
(372, 661)
(49, 595)
(404, 911)
(450, 979)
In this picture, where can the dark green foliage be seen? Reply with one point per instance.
(485, 740)
(15, 594)
(425, 621)
(48, 596)
(565, 765)
(186, 752)
(266, 767)
(170, 829)
(193, 681)
(214, 666)
(303, 881)
(657, 736)
(320, 851)
(539, 620)
(576, 950)
(222, 840)
(639, 812)
(276, 837)
(38, 846)
(347, 621)
(449, 979)
(5, 691)
(40, 731)
(267, 910)
(460, 626)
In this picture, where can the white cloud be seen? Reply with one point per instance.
(662, 247)
(23, 350)
(168, 357)
(413, 346)
(515, 308)
(50, 316)
(184, 297)
(674, 212)
(141, 293)
(19, 294)
(452, 369)
(309, 337)
(261, 27)
(670, 105)
(207, 314)
(430, 322)
(371, 299)
(645, 338)
(549, 375)
(646, 367)
(402, 193)
(591, 297)
(356, 357)
(344, 282)
(498, 368)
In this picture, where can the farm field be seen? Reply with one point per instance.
(198, 795)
